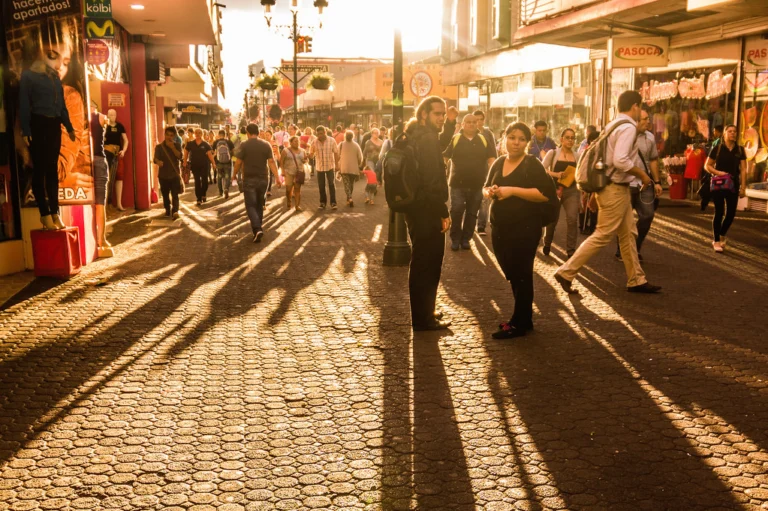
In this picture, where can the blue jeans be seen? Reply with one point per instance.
(225, 177)
(465, 203)
(482, 216)
(255, 196)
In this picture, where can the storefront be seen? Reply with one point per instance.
(537, 82)
(754, 125)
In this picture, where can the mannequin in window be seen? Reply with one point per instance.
(100, 181)
(115, 147)
(42, 112)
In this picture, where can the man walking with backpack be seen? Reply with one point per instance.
(223, 149)
(614, 201)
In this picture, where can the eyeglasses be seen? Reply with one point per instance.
(569, 138)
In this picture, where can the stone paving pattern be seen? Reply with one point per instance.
(210, 373)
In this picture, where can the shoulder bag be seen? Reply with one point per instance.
(179, 179)
(721, 183)
(300, 175)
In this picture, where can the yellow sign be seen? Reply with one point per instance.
(191, 109)
(99, 28)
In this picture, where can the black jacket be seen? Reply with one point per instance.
(429, 145)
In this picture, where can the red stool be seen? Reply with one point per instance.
(56, 253)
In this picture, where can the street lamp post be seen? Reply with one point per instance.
(397, 249)
(295, 37)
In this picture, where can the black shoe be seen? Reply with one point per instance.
(546, 250)
(205, 199)
(465, 245)
(565, 284)
(508, 332)
(257, 237)
(481, 231)
(618, 257)
(644, 288)
(199, 203)
(455, 246)
(434, 325)
(322, 206)
(167, 213)
(640, 257)
(176, 215)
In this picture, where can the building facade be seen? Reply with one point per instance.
(133, 57)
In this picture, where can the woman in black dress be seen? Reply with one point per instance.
(518, 187)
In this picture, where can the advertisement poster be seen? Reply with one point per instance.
(36, 28)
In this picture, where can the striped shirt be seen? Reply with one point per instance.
(325, 154)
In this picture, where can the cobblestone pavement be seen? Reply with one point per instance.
(210, 373)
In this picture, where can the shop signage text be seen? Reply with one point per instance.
(756, 54)
(638, 52)
(98, 8)
(30, 10)
(96, 52)
(116, 99)
(688, 88)
(191, 109)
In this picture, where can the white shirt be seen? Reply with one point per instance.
(621, 150)
(646, 146)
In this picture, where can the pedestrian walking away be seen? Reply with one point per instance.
(614, 201)
(428, 218)
(350, 161)
(560, 165)
(256, 160)
(644, 200)
(325, 151)
(517, 185)
(223, 150)
(306, 141)
(372, 149)
(292, 161)
(541, 143)
(199, 154)
(167, 157)
(727, 164)
(482, 215)
(471, 154)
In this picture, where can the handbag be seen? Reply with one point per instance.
(300, 175)
(569, 174)
(721, 183)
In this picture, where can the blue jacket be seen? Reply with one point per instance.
(41, 93)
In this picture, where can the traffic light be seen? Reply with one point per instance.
(308, 44)
(301, 44)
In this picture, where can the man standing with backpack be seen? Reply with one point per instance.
(616, 152)
(427, 215)
(223, 149)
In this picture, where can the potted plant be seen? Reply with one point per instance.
(268, 82)
(320, 80)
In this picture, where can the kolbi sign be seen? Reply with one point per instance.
(98, 8)
(638, 52)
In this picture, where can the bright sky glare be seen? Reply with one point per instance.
(351, 28)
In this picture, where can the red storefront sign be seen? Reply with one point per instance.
(96, 52)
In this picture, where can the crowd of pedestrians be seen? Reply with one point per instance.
(519, 184)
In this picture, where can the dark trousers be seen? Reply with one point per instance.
(465, 204)
(725, 203)
(516, 256)
(643, 202)
(45, 148)
(169, 188)
(255, 196)
(201, 183)
(428, 248)
(322, 176)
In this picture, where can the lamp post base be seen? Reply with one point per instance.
(397, 250)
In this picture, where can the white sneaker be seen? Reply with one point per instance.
(718, 247)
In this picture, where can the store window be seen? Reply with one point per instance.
(9, 198)
(686, 105)
(754, 125)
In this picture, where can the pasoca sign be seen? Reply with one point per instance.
(24, 11)
(638, 52)
(756, 54)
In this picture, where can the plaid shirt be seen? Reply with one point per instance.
(325, 154)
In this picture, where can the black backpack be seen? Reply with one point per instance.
(401, 178)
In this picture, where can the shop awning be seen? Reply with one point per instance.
(167, 21)
(594, 24)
